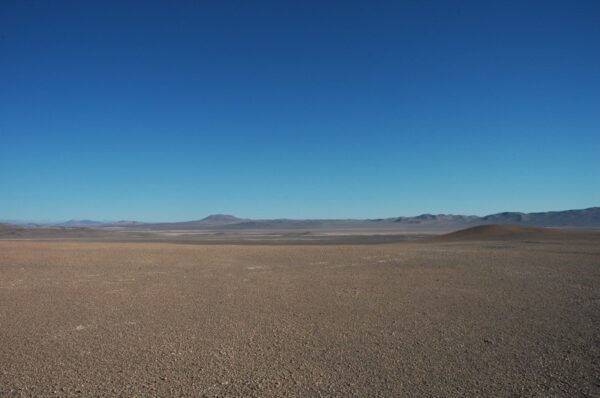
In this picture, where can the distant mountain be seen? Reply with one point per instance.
(589, 218)
(220, 219)
(569, 218)
(212, 221)
(584, 218)
(437, 218)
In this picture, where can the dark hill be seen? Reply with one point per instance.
(514, 232)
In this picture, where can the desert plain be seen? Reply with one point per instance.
(493, 312)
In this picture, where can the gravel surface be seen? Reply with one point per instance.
(431, 319)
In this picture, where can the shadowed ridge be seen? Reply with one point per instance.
(513, 232)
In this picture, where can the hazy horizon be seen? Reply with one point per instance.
(50, 221)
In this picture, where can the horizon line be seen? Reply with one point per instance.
(117, 220)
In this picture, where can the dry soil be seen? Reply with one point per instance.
(509, 318)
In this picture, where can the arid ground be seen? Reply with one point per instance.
(518, 316)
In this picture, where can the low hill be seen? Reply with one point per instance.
(514, 232)
(221, 219)
(210, 222)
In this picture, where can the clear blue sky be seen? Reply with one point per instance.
(175, 110)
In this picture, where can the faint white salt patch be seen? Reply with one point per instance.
(256, 267)
(319, 263)
(346, 265)
(81, 327)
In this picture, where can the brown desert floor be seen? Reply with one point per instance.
(406, 319)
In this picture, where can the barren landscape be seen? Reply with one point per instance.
(493, 311)
(300, 199)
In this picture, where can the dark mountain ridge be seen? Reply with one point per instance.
(584, 218)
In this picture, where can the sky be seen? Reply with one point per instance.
(165, 111)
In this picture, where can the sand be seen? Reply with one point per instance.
(436, 319)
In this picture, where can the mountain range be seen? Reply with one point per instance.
(582, 218)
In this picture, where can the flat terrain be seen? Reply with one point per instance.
(252, 237)
(509, 317)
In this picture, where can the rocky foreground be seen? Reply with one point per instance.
(443, 318)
